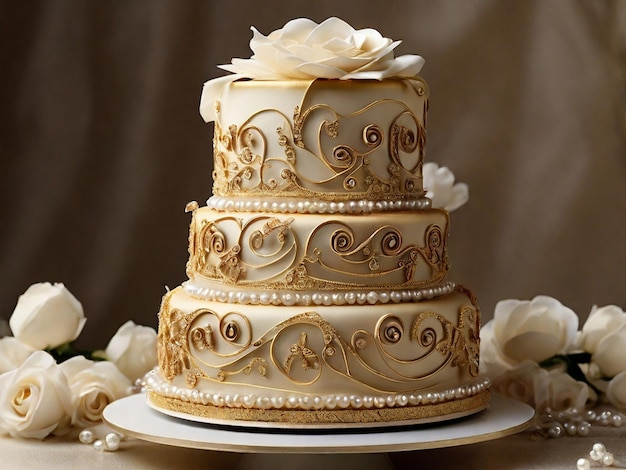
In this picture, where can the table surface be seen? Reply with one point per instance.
(519, 451)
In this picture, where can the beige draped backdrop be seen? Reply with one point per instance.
(101, 144)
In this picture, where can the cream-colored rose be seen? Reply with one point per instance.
(557, 390)
(46, 316)
(441, 189)
(133, 349)
(610, 353)
(601, 323)
(537, 329)
(303, 49)
(34, 398)
(520, 382)
(492, 364)
(93, 386)
(12, 353)
(616, 391)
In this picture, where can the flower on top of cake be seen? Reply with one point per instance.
(305, 50)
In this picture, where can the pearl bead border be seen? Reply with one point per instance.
(290, 298)
(303, 206)
(154, 383)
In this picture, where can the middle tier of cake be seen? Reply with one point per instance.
(292, 253)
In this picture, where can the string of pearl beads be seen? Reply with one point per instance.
(573, 422)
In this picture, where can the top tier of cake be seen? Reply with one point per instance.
(350, 142)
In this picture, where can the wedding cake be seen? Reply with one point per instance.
(317, 291)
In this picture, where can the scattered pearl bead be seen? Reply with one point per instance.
(583, 464)
(608, 459)
(595, 455)
(86, 436)
(583, 429)
(555, 431)
(575, 422)
(99, 445)
(112, 441)
(599, 448)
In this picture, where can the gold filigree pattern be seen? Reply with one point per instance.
(459, 342)
(276, 253)
(434, 251)
(384, 354)
(340, 165)
(262, 244)
(379, 254)
(172, 347)
(307, 358)
(256, 364)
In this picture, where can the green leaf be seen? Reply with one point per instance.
(572, 365)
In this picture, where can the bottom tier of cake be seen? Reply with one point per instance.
(397, 362)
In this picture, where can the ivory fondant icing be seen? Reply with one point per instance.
(317, 288)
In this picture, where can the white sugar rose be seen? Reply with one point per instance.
(12, 353)
(492, 364)
(616, 391)
(441, 189)
(46, 316)
(557, 390)
(303, 49)
(93, 386)
(601, 323)
(520, 382)
(537, 330)
(610, 354)
(133, 349)
(34, 398)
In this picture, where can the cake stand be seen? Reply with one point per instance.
(133, 417)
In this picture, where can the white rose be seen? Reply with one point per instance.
(601, 322)
(616, 391)
(133, 349)
(441, 189)
(492, 364)
(559, 391)
(93, 386)
(12, 353)
(537, 329)
(302, 49)
(34, 398)
(46, 316)
(610, 354)
(520, 381)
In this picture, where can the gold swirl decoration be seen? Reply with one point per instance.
(196, 343)
(333, 251)
(396, 354)
(227, 248)
(374, 152)
(311, 252)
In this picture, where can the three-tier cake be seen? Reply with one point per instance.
(317, 291)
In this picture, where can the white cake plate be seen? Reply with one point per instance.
(133, 417)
